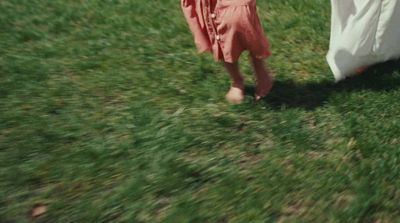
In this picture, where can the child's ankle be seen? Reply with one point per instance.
(239, 85)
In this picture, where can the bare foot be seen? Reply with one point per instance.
(361, 70)
(264, 78)
(264, 85)
(235, 95)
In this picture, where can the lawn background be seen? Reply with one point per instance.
(108, 114)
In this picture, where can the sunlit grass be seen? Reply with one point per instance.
(108, 114)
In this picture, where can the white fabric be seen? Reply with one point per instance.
(363, 32)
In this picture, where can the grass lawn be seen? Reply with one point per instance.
(108, 114)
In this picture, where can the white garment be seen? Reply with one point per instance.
(363, 32)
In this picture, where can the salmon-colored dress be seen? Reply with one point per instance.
(226, 28)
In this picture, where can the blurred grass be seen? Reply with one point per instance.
(109, 115)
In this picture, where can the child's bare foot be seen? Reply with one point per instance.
(361, 70)
(235, 95)
(264, 85)
(264, 78)
(263, 88)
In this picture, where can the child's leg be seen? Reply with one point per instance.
(236, 76)
(235, 94)
(263, 77)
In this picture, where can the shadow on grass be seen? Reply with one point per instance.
(309, 96)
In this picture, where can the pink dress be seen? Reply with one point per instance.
(226, 28)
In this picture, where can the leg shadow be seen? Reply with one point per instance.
(309, 96)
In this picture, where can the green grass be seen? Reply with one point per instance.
(109, 115)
